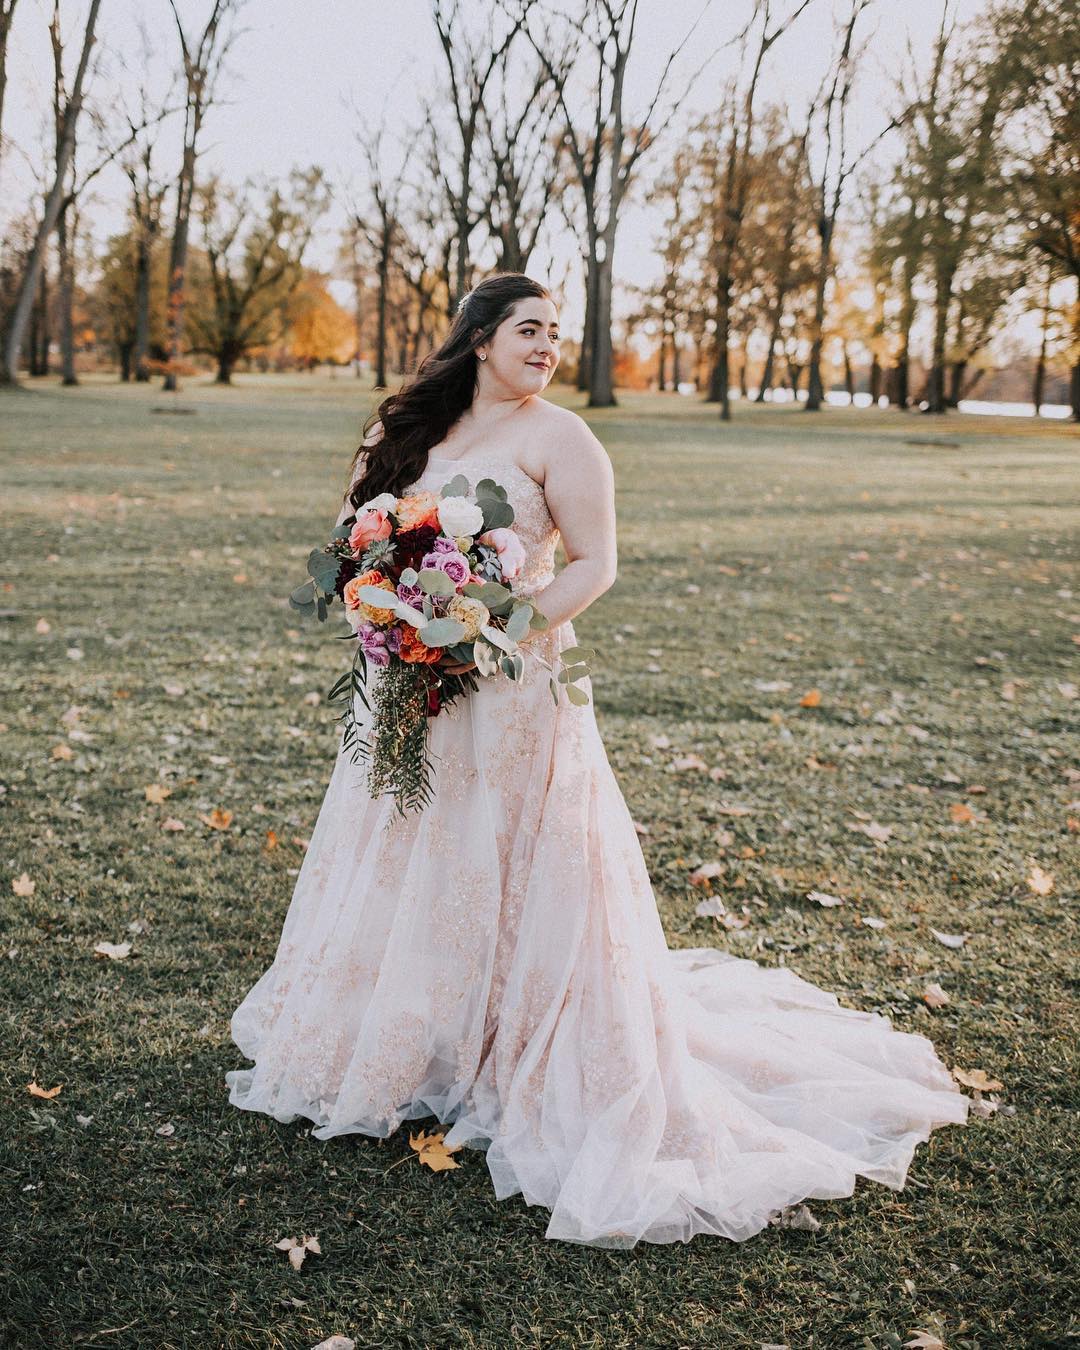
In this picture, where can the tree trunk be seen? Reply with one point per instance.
(66, 296)
(142, 309)
(226, 364)
(380, 330)
(588, 332)
(957, 375)
(178, 268)
(720, 378)
(935, 400)
(849, 374)
(601, 388)
(28, 282)
(815, 389)
(875, 381)
(125, 349)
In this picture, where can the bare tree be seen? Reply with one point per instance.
(54, 199)
(522, 155)
(255, 246)
(734, 187)
(470, 68)
(202, 62)
(7, 13)
(831, 106)
(609, 142)
(382, 228)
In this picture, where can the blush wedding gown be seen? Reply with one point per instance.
(497, 960)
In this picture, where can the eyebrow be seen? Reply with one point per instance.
(536, 323)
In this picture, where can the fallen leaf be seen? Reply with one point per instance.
(62, 751)
(1042, 883)
(333, 1342)
(796, 1216)
(726, 809)
(432, 1152)
(298, 1248)
(174, 689)
(271, 840)
(977, 1079)
(42, 626)
(36, 1090)
(115, 951)
(811, 699)
(925, 1340)
(22, 885)
(954, 940)
(880, 834)
(706, 872)
(688, 762)
(157, 792)
(173, 825)
(934, 996)
(712, 908)
(217, 819)
(167, 1130)
(824, 899)
(872, 921)
(961, 813)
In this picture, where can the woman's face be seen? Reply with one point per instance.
(523, 352)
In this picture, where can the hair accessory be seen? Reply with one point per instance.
(463, 301)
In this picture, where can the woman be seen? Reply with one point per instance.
(497, 959)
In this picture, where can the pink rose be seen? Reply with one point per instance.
(510, 549)
(370, 526)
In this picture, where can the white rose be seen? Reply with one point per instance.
(458, 515)
(385, 501)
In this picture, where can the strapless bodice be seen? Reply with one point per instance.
(532, 520)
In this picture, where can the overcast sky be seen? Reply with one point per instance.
(298, 73)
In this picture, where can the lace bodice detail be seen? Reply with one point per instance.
(532, 520)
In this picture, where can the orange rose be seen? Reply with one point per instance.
(350, 594)
(412, 649)
(419, 508)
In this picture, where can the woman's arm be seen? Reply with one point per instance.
(579, 485)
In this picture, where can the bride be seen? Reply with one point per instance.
(497, 959)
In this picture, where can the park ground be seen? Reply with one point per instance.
(863, 625)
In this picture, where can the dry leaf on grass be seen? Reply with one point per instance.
(217, 819)
(173, 825)
(115, 951)
(954, 940)
(824, 899)
(1042, 883)
(977, 1079)
(880, 834)
(42, 626)
(62, 751)
(934, 996)
(271, 840)
(688, 762)
(22, 885)
(811, 699)
(36, 1090)
(924, 1340)
(872, 921)
(961, 813)
(706, 872)
(298, 1248)
(432, 1151)
(156, 793)
(796, 1216)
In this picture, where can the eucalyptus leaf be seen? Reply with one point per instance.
(489, 592)
(498, 638)
(497, 515)
(570, 654)
(342, 531)
(303, 595)
(441, 632)
(458, 486)
(408, 576)
(324, 568)
(379, 597)
(435, 582)
(576, 695)
(539, 621)
(484, 656)
(487, 487)
(518, 624)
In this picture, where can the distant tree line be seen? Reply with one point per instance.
(799, 251)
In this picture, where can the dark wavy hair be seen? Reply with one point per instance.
(422, 412)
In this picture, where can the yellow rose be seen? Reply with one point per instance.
(471, 612)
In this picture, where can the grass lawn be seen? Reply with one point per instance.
(919, 573)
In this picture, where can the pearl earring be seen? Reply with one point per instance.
(481, 356)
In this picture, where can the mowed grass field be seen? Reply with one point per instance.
(919, 574)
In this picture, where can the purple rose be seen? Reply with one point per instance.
(444, 544)
(412, 595)
(393, 639)
(455, 565)
(374, 645)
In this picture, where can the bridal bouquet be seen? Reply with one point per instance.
(423, 578)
